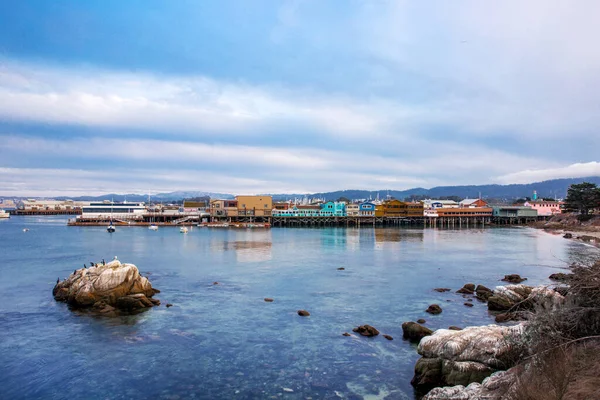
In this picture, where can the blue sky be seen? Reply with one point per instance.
(294, 96)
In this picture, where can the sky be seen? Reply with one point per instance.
(244, 97)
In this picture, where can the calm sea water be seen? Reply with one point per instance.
(223, 341)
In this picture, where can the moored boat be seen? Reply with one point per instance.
(183, 229)
(153, 227)
(4, 214)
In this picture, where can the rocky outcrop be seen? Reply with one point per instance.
(366, 330)
(107, 289)
(470, 355)
(414, 332)
(495, 387)
(522, 297)
(568, 235)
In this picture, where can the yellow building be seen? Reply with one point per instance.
(257, 206)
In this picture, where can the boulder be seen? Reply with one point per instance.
(568, 235)
(415, 332)
(483, 293)
(468, 304)
(452, 357)
(268, 299)
(522, 297)
(303, 313)
(513, 278)
(366, 330)
(115, 285)
(498, 386)
(341, 269)
(421, 321)
(434, 309)
(346, 334)
(388, 337)
(468, 288)
(442, 290)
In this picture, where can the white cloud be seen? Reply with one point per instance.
(579, 170)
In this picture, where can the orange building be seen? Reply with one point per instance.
(256, 206)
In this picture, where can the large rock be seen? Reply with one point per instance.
(106, 287)
(414, 332)
(513, 278)
(522, 297)
(468, 288)
(461, 357)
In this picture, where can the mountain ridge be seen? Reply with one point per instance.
(555, 188)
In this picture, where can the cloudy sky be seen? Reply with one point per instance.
(295, 96)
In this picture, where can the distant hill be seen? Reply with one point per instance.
(555, 188)
(551, 188)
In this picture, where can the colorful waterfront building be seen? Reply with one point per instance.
(464, 212)
(401, 209)
(514, 212)
(333, 209)
(472, 203)
(352, 210)
(366, 209)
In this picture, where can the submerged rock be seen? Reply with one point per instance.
(434, 309)
(568, 235)
(346, 334)
(415, 332)
(366, 330)
(513, 278)
(341, 269)
(268, 299)
(421, 321)
(455, 328)
(470, 355)
(388, 337)
(303, 313)
(442, 290)
(106, 288)
(468, 304)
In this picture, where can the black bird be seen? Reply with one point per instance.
(57, 280)
(103, 263)
(91, 263)
(84, 266)
(74, 271)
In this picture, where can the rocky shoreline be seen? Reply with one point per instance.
(568, 226)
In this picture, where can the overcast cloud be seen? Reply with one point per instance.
(304, 96)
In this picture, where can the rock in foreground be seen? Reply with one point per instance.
(470, 355)
(107, 289)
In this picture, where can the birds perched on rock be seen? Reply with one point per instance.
(84, 266)
(103, 263)
(92, 263)
(57, 280)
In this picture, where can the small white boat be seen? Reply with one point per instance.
(4, 214)
(153, 227)
(110, 228)
(183, 229)
(25, 229)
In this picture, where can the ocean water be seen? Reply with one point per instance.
(223, 341)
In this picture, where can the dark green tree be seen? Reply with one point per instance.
(582, 198)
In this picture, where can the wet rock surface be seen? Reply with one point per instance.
(483, 292)
(560, 276)
(303, 313)
(108, 289)
(442, 290)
